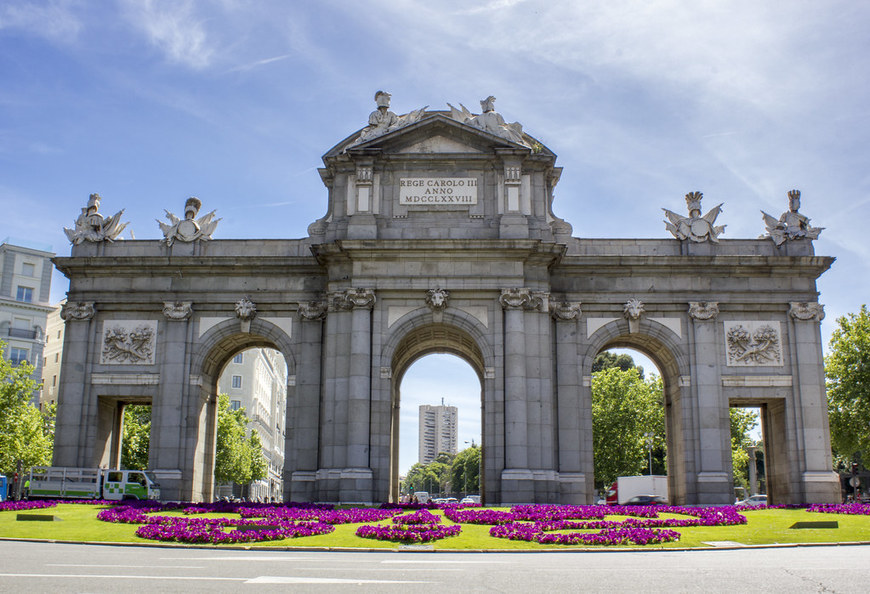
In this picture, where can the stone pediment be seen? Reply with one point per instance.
(435, 133)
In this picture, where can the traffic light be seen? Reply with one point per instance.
(854, 468)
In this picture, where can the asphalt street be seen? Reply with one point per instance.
(54, 567)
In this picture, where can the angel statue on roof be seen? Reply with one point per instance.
(92, 226)
(792, 224)
(189, 228)
(695, 227)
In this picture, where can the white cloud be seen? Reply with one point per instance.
(53, 20)
(172, 27)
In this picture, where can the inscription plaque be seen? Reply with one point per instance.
(440, 191)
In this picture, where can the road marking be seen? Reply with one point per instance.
(245, 558)
(268, 579)
(125, 566)
(88, 576)
(439, 561)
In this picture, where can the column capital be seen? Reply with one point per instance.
(177, 311)
(522, 298)
(703, 310)
(312, 311)
(806, 311)
(77, 311)
(352, 299)
(565, 311)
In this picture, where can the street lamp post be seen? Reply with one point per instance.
(649, 445)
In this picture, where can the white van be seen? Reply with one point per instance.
(421, 497)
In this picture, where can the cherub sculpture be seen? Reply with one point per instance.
(91, 226)
(695, 227)
(189, 228)
(792, 224)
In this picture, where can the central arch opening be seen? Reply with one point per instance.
(430, 363)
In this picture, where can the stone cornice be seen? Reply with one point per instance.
(730, 265)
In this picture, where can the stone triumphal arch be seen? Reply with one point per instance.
(440, 236)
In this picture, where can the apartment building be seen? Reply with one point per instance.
(25, 285)
(438, 431)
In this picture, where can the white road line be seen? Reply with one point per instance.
(322, 568)
(125, 566)
(238, 558)
(439, 561)
(89, 576)
(268, 579)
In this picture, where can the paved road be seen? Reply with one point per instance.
(47, 567)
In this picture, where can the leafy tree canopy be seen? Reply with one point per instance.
(137, 436)
(743, 420)
(847, 369)
(608, 360)
(238, 457)
(625, 407)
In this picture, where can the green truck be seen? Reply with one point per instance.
(57, 482)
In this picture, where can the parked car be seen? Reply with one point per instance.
(754, 501)
(647, 500)
(471, 499)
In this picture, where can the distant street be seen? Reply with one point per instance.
(38, 567)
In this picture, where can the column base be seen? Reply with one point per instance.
(344, 485)
(301, 486)
(572, 489)
(821, 487)
(714, 488)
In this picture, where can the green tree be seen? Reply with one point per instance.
(608, 360)
(624, 408)
(238, 458)
(465, 471)
(137, 436)
(847, 369)
(743, 421)
(26, 433)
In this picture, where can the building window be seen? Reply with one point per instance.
(24, 294)
(58, 334)
(17, 356)
(56, 357)
(235, 404)
(54, 380)
(237, 382)
(28, 269)
(239, 358)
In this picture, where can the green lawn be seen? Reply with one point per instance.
(766, 526)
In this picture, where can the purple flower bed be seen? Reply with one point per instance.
(408, 533)
(423, 516)
(852, 509)
(22, 505)
(205, 531)
(489, 517)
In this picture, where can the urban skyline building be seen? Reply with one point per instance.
(256, 380)
(52, 356)
(25, 286)
(438, 431)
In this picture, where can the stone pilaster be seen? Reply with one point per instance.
(303, 422)
(575, 417)
(70, 444)
(166, 453)
(713, 453)
(819, 483)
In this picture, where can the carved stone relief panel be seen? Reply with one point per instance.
(128, 342)
(753, 344)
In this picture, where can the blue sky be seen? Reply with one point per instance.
(235, 101)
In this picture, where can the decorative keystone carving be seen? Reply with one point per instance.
(177, 311)
(565, 311)
(520, 298)
(807, 311)
(91, 226)
(753, 343)
(791, 224)
(245, 309)
(695, 227)
(437, 299)
(312, 311)
(77, 310)
(703, 310)
(632, 311)
(190, 228)
(128, 342)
